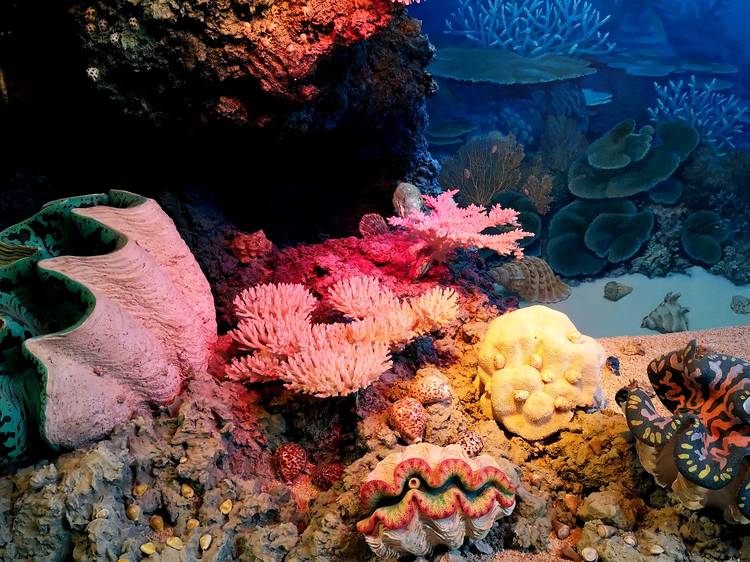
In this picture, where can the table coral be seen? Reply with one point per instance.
(427, 495)
(535, 368)
(701, 449)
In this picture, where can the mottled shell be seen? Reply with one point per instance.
(532, 279)
(408, 417)
(669, 317)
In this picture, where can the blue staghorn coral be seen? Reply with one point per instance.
(532, 27)
(715, 115)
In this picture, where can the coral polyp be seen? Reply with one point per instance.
(427, 495)
(701, 449)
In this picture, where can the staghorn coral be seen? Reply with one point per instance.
(535, 368)
(427, 495)
(103, 310)
(483, 167)
(699, 450)
(531, 27)
(716, 116)
(330, 359)
(449, 227)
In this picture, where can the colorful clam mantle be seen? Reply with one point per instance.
(102, 309)
(427, 495)
(702, 449)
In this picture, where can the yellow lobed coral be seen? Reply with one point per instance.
(535, 368)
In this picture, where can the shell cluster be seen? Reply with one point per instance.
(427, 495)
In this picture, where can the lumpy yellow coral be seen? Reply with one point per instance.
(535, 368)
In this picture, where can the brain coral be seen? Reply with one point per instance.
(535, 368)
(427, 495)
(702, 448)
(102, 309)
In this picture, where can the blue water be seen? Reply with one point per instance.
(619, 129)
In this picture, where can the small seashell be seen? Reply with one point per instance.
(562, 403)
(183, 460)
(157, 523)
(471, 442)
(572, 503)
(133, 512)
(589, 554)
(535, 360)
(548, 376)
(139, 490)
(499, 361)
(408, 417)
(532, 279)
(574, 337)
(226, 507)
(572, 376)
(629, 540)
(430, 390)
(175, 542)
(596, 445)
(192, 524)
(535, 479)
(520, 395)
(187, 491)
(103, 513)
(325, 476)
(372, 224)
(605, 531)
(655, 550)
(148, 548)
(205, 541)
(562, 531)
(569, 554)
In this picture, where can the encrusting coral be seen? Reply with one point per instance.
(330, 359)
(700, 450)
(535, 368)
(425, 496)
(103, 310)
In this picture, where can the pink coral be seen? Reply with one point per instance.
(330, 359)
(449, 227)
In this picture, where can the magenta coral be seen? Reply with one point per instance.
(330, 359)
(448, 227)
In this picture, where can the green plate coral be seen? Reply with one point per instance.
(624, 162)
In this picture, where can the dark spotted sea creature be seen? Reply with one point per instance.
(701, 450)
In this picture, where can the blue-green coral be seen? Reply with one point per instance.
(624, 162)
(586, 234)
(702, 235)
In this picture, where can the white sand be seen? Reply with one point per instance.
(706, 295)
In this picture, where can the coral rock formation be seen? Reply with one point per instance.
(700, 450)
(427, 495)
(535, 368)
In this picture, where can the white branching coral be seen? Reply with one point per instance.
(330, 359)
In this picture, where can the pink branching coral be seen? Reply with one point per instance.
(448, 227)
(330, 359)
